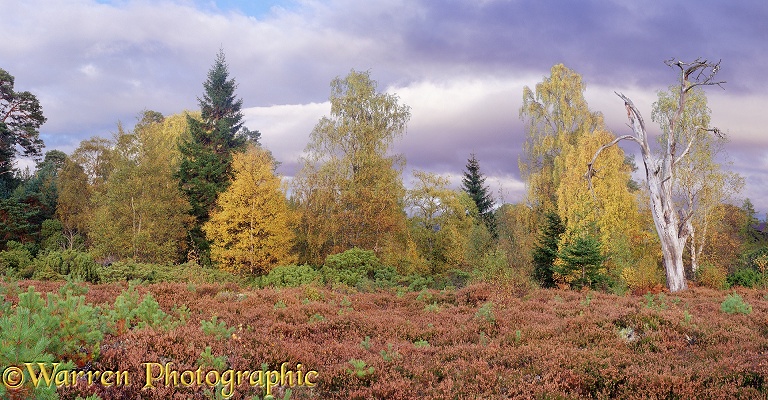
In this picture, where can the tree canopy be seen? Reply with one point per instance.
(20, 119)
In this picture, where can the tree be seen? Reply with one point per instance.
(546, 251)
(473, 184)
(673, 224)
(349, 189)
(74, 206)
(249, 229)
(557, 114)
(207, 147)
(563, 134)
(141, 213)
(700, 184)
(20, 119)
(581, 262)
(441, 221)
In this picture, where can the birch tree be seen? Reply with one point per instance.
(350, 189)
(673, 223)
(701, 184)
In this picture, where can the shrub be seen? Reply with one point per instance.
(73, 263)
(216, 328)
(129, 270)
(734, 304)
(645, 276)
(290, 276)
(745, 277)
(59, 328)
(15, 260)
(354, 267)
(712, 276)
(128, 312)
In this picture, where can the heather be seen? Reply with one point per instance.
(481, 341)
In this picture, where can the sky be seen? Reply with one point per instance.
(460, 66)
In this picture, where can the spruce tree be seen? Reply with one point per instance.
(546, 251)
(207, 147)
(474, 184)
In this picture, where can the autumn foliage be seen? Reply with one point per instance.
(249, 227)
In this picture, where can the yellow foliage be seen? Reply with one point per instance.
(613, 209)
(249, 229)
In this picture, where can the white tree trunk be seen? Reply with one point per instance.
(665, 217)
(673, 229)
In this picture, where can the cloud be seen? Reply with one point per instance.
(460, 65)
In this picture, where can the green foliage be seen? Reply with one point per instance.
(360, 369)
(366, 343)
(420, 344)
(51, 235)
(473, 183)
(390, 354)
(15, 260)
(207, 147)
(546, 251)
(59, 328)
(655, 302)
(745, 277)
(129, 312)
(72, 263)
(129, 270)
(355, 267)
(216, 328)
(290, 276)
(207, 359)
(734, 304)
(582, 263)
(485, 313)
(316, 317)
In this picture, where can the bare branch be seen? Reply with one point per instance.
(696, 73)
(716, 131)
(590, 167)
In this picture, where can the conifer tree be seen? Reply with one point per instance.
(474, 184)
(207, 148)
(249, 230)
(546, 251)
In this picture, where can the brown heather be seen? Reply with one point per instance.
(484, 342)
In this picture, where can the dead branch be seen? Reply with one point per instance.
(591, 166)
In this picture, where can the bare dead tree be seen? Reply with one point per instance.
(673, 224)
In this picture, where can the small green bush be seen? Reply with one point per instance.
(355, 268)
(745, 277)
(734, 304)
(73, 263)
(129, 270)
(129, 312)
(15, 260)
(290, 276)
(216, 328)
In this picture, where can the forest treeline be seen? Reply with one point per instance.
(197, 189)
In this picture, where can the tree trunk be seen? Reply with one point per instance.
(673, 229)
(671, 236)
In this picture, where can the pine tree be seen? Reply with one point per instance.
(207, 148)
(474, 184)
(546, 251)
(582, 261)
